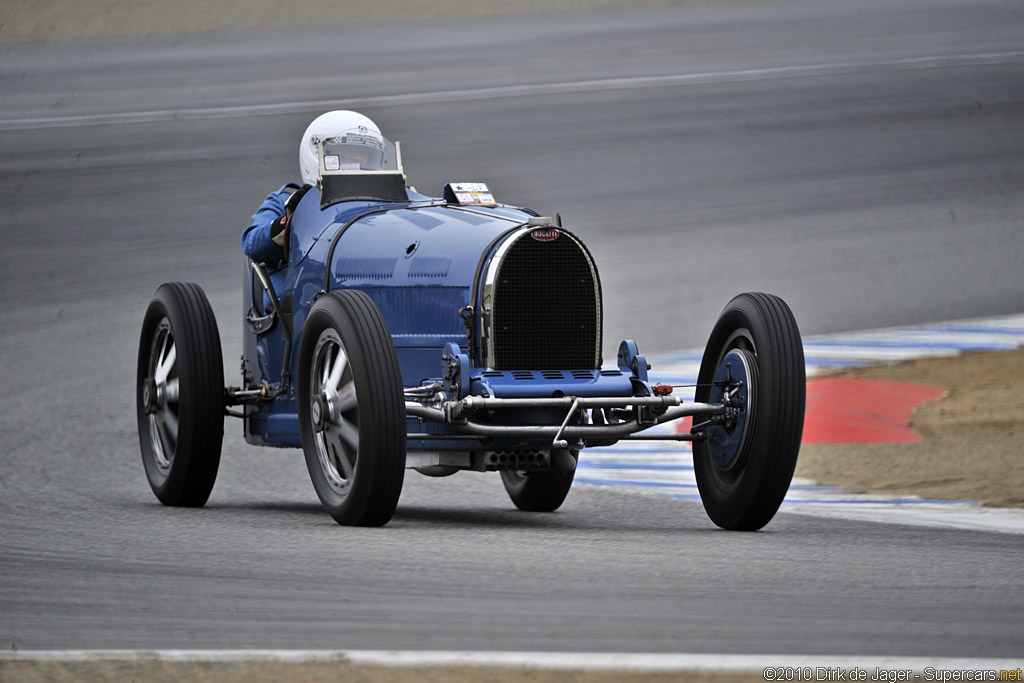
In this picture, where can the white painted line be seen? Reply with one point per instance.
(524, 90)
(578, 661)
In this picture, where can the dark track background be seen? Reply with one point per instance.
(883, 186)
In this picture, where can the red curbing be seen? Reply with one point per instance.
(843, 410)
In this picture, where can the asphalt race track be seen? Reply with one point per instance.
(863, 159)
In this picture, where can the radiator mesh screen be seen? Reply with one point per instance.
(546, 307)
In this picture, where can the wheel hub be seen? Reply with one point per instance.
(320, 412)
(733, 378)
(149, 396)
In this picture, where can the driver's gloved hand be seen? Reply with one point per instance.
(294, 198)
(279, 229)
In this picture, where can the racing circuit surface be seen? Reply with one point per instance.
(862, 159)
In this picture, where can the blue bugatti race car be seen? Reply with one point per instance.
(403, 331)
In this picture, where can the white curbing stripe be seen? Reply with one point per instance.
(579, 661)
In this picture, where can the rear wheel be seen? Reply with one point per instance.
(537, 491)
(180, 395)
(744, 466)
(352, 409)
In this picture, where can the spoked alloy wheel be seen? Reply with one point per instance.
(160, 393)
(352, 409)
(754, 359)
(335, 413)
(180, 395)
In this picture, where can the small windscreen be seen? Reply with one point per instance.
(388, 186)
(357, 151)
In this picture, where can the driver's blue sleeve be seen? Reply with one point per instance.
(256, 242)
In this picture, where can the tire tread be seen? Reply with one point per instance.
(382, 429)
(201, 392)
(779, 412)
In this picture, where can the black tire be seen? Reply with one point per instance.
(353, 425)
(537, 491)
(743, 483)
(180, 395)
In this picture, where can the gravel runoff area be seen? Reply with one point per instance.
(971, 437)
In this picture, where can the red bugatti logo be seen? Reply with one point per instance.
(545, 235)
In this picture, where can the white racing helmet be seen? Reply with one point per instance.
(350, 141)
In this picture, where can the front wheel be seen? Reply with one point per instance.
(180, 395)
(352, 409)
(754, 360)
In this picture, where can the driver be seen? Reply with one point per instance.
(351, 142)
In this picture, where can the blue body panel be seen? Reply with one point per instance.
(418, 262)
